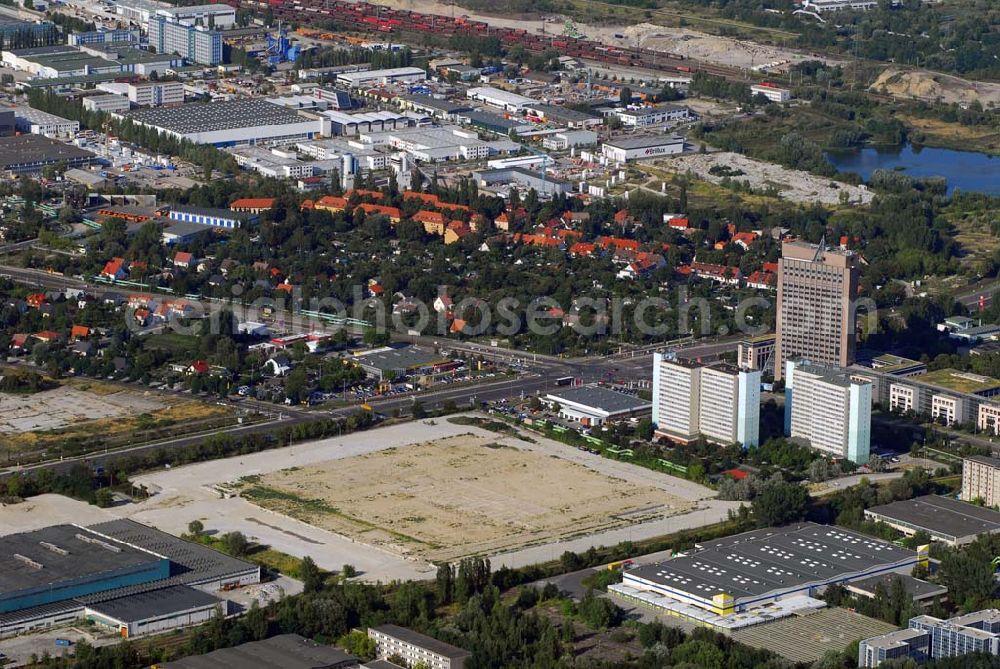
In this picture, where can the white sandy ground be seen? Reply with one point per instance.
(186, 493)
(793, 185)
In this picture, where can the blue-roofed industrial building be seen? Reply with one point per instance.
(119, 574)
(65, 561)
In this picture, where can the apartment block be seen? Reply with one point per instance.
(828, 409)
(981, 479)
(719, 402)
(416, 648)
(815, 312)
(156, 93)
(930, 638)
(196, 43)
(949, 396)
(106, 103)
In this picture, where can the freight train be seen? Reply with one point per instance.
(364, 17)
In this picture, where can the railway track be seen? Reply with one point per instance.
(385, 22)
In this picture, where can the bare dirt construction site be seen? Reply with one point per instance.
(934, 86)
(57, 408)
(43, 424)
(458, 496)
(569, 499)
(792, 185)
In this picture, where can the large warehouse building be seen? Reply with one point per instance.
(230, 123)
(628, 148)
(735, 576)
(65, 561)
(29, 154)
(944, 519)
(120, 574)
(596, 405)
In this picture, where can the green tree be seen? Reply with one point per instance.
(359, 644)
(445, 583)
(779, 503)
(310, 575)
(103, 498)
(195, 527)
(235, 543)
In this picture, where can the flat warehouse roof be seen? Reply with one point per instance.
(918, 589)
(31, 149)
(192, 563)
(60, 553)
(644, 142)
(154, 603)
(406, 357)
(940, 515)
(600, 398)
(215, 116)
(285, 651)
(762, 561)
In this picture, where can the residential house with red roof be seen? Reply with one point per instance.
(18, 342)
(762, 280)
(330, 203)
(183, 259)
(744, 239)
(642, 265)
(456, 232)
(115, 269)
(433, 221)
(252, 205)
(583, 249)
(392, 213)
(717, 273)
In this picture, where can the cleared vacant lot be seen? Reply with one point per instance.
(53, 409)
(458, 496)
(792, 185)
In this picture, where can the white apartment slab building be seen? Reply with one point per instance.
(156, 93)
(218, 16)
(771, 92)
(416, 648)
(829, 409)
(719, 402)
(106, 103)
(981, 479)
(821, 6)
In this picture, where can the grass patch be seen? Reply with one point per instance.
(937, 133)
(491, 425)
(175, 343)
(264, 494)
